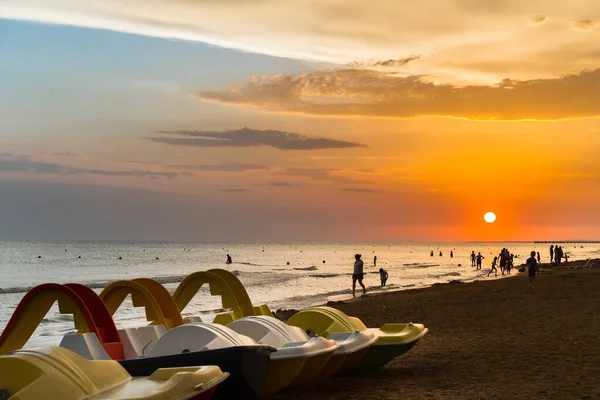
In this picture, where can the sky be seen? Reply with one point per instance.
(273, 120)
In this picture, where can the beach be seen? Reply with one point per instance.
(494, 339)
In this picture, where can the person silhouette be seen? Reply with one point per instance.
(357, 275)
(229, 261)
(479, 258)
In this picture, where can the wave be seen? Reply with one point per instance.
(450, 274)
(326, 275)
(417, 265)
(311, 268)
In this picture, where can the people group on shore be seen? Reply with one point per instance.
(557, 254)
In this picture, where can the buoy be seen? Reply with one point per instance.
(39, 256)
(288, 263)
(120, 258)
(79, 257)
(157, 258)
(323, 261)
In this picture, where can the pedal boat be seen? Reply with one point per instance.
(56, 373)
(392, 341)
(291, 339)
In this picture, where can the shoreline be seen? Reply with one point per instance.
(491, 339)
(284, 313)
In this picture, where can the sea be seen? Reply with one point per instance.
(282, 275)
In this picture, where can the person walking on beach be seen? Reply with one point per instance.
(375, 261)
(551, 253)
(383, 275)
(539, 259)
(357, 275)
(228, 259)
(479, 258)
(494, 267)
(532, 268)
(472, 259)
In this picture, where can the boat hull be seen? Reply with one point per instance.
(247, 366)
(379, 355)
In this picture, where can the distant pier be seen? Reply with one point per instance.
(567, 241)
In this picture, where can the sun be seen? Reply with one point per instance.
(489, 217)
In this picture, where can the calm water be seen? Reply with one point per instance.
(261, 267)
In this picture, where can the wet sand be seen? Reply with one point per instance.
(494, 339)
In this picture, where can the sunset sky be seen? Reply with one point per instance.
(277, 120)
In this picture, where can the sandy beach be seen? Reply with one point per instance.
(494, 339)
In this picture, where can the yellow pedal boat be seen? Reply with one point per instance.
(56, 373)
(393, 340)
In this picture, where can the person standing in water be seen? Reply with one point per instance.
(357, 275)
(431, 253)
(551, 254)
(375, 261)
(494, 267)
(479, 258)
(228, 259)
(472, 259)
(451, 254)
(539, 259)
(532, 268)
(383, 275)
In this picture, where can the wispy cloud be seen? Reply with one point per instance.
(247, 137)
(286, 184)
(537, 19)
(370, 93)
(323, 175)
(12, 163)
(585, 25)
(359, 190)
(393, 62)
(228, 167)
(234, 190)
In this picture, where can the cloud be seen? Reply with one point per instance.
(358, 190)
(458, 33)
(286, 184)
(398, 62)
(369, 93)
(11, 163)
(234, 190)
(537, 19)
(322, 175)
(585, 25)
(229, 167)
(247, 137)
